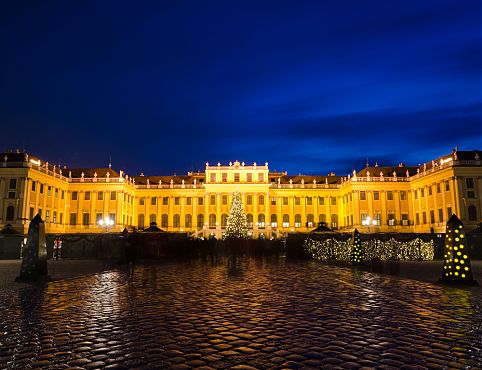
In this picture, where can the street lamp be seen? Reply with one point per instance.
(107, 222)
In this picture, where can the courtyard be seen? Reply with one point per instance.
(235, 313)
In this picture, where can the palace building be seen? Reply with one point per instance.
(375, 199)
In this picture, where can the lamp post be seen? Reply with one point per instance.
(106, 222)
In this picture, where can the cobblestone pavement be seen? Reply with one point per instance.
(240, 314)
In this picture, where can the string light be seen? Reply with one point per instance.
(237, 224)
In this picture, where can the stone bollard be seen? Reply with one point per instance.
(34, 262)
(456, 268)
(356, 257)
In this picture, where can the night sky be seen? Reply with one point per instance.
(309, 86)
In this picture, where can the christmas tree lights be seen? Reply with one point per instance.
(456, 268)
(237, 224)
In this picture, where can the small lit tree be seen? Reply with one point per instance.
(237, 227)
(456, 268)
(356, 249)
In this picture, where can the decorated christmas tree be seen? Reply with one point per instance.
(456, 268)
(356, 250)
(237, 227)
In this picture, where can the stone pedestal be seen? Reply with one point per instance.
(34, 262)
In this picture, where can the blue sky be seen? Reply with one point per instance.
(309, 86)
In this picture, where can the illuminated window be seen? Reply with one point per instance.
(286, 220)
(363, 195)
(224, 220)
(49, 191)
(33, 185)
(224, 200)
(389, 195)
(310, 220)
(112, 217)
(405, 221)
(309, 201)
(213, 177)
(322, 218)
(260, 177)
(376, 195)
(297, 220)
(224, 177)
(249, 200)
(41, 188)
(200, 220)
(274, 220)
(261, 200)
(391, 219)
(364, 219)
(249, 177)
(334, 221)
(273, 201)
(249, 219)
(212, 221)
(56, 192)
(261, 221)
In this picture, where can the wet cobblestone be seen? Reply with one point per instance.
(240, 314)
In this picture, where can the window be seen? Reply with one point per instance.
(261, 221)
(40, 212)
(376, 195)
(472, 213)
(249, 177)
(260, 177)
(73, 219)
(470, 194)
(11, 195)
(224, 177)
(212, 221)
(309, 201)
(100, 196)
(10, 213)
(403, 195)
(447, 186)
(212, 200)
(249, 219)
(98, 217)
(142, 201)
(56, 192)
(405, 219)
(87, 195)
(440, 215)
(153, 219)
(212, 177)
(364, 219)
(224, 200)
(469, 182)
(47, 215)
(333, 201)
(363, 195)
(112, 195)
(438, 187)
(61, 218)
(42, 189)
(391, 219)
(62, 195)
(165, 201)
(297, 201)
(286, 220)
(285, 201)
(432, 216)
(49, 191)
(200, 201)
(424, 217)
(249, 200)
(321, 217)
(33, 185)
(164, 221)
(177, 201)
(74, 195)
(236, 177)
(112, 218)
(32, 210)
(430, 190)
(310, 220)
(224, 220)
(140, 221)
(273, 201)
(415, 194)
(422, 192)
(389, 195)
(200, 220)
(12, 184)
(334, 221)
(261, 200)
(417, 218)
(321, 201)
(274, 220)
(188, 220)
(449, 212)
(85, 219)
(189, 201)
(176, 221)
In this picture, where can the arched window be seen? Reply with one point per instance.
(322, 218)
(261, 221)
(212, 200)
(200, 220)
(212, 221)
(164, 221)
(224, 200)
(224, 220)
(176, 221)
(249, 218)
(472, 213)
(334, 221)
(152, 218)
(188, 220)
(10, 213)
(286, 220)
(297, 220)
(261, 200)
(310, 220)
(249, 199)
(140, 221)
(274, 220)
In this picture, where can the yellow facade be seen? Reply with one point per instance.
(375, 199)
